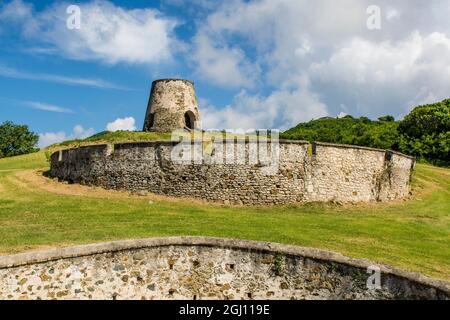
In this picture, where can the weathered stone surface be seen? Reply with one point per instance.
(169, 103)
(204, 268)
(330, 173)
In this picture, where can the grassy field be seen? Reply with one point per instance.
(36, 212)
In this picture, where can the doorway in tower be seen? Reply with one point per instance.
(189, 120)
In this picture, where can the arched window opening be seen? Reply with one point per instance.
(189, 120)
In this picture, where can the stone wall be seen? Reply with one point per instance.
(202, 268)
(304, 173)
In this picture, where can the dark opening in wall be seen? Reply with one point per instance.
(314, 148)
(189, 120)
(388, 155)
(150, 120)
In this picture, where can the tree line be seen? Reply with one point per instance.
(423, 133)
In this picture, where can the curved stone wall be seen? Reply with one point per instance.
(304, 172)
(203, 268)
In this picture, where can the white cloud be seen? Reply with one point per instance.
(281, 25)
(126, 124)
(222, 65)
(329, 46)
(80, 133)
(95, 83)
(47, 107)
(387, 77)
(392, 13)
(280, 110)
(49, 138)
(16, 10)
(108, 33)
(300, 60)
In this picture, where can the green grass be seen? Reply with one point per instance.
(413, 235)
(28, 161)
(135, 136)
(113, 137)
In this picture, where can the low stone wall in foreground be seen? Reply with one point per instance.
(202, 268)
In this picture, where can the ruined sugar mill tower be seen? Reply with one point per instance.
(172, 105)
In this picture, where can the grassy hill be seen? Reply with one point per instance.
(36, 212)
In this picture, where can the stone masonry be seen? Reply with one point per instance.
(172, 105)
(203, 268)
(305, 172)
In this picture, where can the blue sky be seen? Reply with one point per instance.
(256, 64)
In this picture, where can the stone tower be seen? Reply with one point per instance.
(172, 105)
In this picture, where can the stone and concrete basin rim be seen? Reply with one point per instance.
(28, 258)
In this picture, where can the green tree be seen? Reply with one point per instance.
(425, 132)
(349, 130)
(16, 140)
(387, 118)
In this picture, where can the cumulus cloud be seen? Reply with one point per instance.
(392, 13)
(49, 138)
(387, 77)
(108, 33)
(283, 24)
(80, 133)
(222, 65)
(295, 59)
(280, 110)
(349, 69)
(126, 124)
